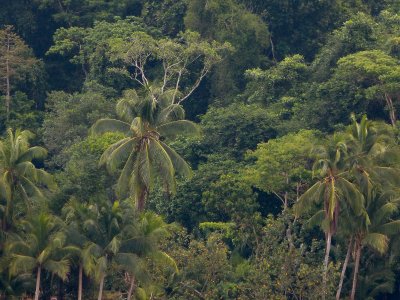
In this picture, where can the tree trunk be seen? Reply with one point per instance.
(8, 88)
(346, 261)
(60, 289)
(131, 288)
(80, 281)
(286, 196)
(326, 262)
(101, 287)
(356, 269)
(142, 200)
(37, 291)
(392, 111)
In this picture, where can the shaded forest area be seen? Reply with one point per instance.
(199, 149)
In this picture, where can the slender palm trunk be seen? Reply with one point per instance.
(131, 288)
(37, 291)
(356, 269)
(80, 281)
(345, 263)
(101, 287)
(142, 199)
(326, 261)
(8, 88)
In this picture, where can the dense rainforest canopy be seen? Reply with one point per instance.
(199, 149)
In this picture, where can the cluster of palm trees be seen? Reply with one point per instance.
(92, 238)
(358, 177)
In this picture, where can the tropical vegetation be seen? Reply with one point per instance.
(193, 149)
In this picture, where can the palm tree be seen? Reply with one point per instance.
(21, 180)
(378, 279)
(333, 191)
(13, 287)
(372, 146)
(40, 246)
(141, 242)
(373, 151)
(79, 218)
(147, 123)
(104, 229)
(376, 235)
(117, 235)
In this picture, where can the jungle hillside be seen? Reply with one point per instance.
(199, 149)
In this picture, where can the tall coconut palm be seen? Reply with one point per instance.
(104, 229)
(79, 218)
(141, 243)
(373, 148)
(148, 124)
(382, 210)
(333, 191)
(374, 154)
(21, 180)
(40, 246)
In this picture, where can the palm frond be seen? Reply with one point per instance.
(389, 229)
(173, 129)
(110, 149)
(180, 165)
(21, 264)
(114, 245)
(110, 125)
(120, 155)
(160, 160)
(164, 259)
(143, 165)
(384, 212)
(316, 219)
(125, 176)
(33, 153)
(46, 179)
(351, 195)
(376, 241)
(307, 201)
(170, 113)
(125, 107)
(31, 190)
(129, 262)
(60, 267)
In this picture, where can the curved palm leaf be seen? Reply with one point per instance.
(176, 128)
(106, 125)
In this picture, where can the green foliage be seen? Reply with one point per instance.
(235, 128)
(279, 269)
(360, 32)
(186, 207)
(86, 12)
(165, 15)
(71, 115)
(205, 275)
(282, 165)
(17, 64)
(273, 85)
(22, 115)
(301, 27)
(82, 178)
(229, 21)
(230, 198)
